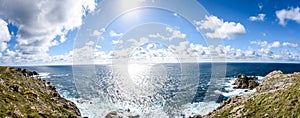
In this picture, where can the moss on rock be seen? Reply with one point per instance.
(277, 96)
(22, 95)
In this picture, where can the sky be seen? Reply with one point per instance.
(63, 32)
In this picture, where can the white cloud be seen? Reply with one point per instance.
(4, 35)
(62, 39)
(136, 42)
(173, 34)
(117, 41)
(90, 43)
(220, 29)
(265, 52)
(275, 44)
(266, 45)
(98, 32)
(112, 33)
(290, 14)
(291, 45)
(260, 43)
(259, 17)
(260, 6)
(40, 22)
(54, 43)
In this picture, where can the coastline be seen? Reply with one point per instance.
(24, 95)
(277, 96)
(235, 106)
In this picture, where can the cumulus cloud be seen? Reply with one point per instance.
(288, 14)
(291, 45)
(40, 22)
(112, 33)
(260, 43)
(173, 34)
(4, 35)
(117, 41)
(98, 32)
(259, 17)
(275, 44)
(220, 29)
(265, 44)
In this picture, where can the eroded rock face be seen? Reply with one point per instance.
(245, 82)
(115, 114)
(23, 95)
(277, 91)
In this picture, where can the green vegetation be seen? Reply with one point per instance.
(280, 102)
(26, 96)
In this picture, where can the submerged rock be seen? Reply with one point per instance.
(245, 82)
(115, 114)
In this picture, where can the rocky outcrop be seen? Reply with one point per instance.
(277, 96)
(245, 82)
(23, 95)
(115, 114)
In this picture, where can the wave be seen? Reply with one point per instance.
(44, 75)
(231, 92)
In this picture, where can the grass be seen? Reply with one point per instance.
(281, 103)
(22, 96)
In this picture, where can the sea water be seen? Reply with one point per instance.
(156, 87)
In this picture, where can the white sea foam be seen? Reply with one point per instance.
(44, 75)
(61, 75)
(95, 107)
(201, 108)
(231, 92)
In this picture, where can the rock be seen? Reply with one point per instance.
(196, 116)
(245, 82)
(15, 87)
(277, 91)
(136, 116)
(55, 94)
(23, 95)
(35, 73)
(113, 114)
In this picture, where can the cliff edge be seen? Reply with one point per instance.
(277, 96)
(23, 95)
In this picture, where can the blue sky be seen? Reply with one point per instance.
(88, 31)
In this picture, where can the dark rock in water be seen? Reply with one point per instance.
(26, 72)
(113, 114)
(35, 73)
(196, 116)
(136, 116)
(245, 82)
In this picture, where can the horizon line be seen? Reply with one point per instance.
(70, 64)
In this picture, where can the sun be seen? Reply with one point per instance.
(137, 72)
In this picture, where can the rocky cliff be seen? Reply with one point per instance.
(23, 95)
(277, 96)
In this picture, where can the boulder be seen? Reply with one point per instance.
(245, 82)
(113, 114)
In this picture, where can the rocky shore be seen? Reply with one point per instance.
(277, 96)
(24, 95)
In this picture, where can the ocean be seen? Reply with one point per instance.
(153, 90)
